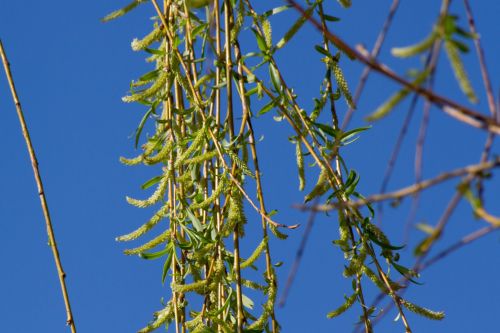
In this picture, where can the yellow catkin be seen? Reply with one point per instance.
(146, 41)
(384, 109)
(412, 50)
(342, 84)
(267, 29)
(198, 287)
(155, 197)
(267, 308)
(162, 155)
(207, 156)
(213, 196)
(132, 161)
(236, 218)
(195, 144)
(344, 307)
(459, 71)
(434, 315)
(161, 317)
(149, 245)
(145, 227)
(153, 89)
(122, 11)
(300, 165)
(320, 188)
(255, 255)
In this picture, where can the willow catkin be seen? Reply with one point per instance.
(412, 50)
(434, 315)
(300, 165)
(149, 245)
(155, 197)
(459, 71)
(158, 84)
(146, 41)
(161, 317)
(344, 307)
(160, 214)
(255, 255)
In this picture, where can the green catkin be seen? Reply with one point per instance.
(267, 308)
(241, 165)
(344, 235)
(236, 218)
(199, 287)
(155, 197)
(320, 188)
(213, 196)
(255, 255)
(145, 42)
(149, 245)
(161, 317)
(412, 50)
(120, 12)
(181, 79)
(240, 19)
(384, 109)
(162, 155)
(459, 71)
(195, 144)
(434, 315)
(342, 84)
(145, 227)
(197, 326)
(356, 264)
(300, 165)
(375, 279)
(251, 284)
(201, 158)
(160, 82)
(132, 161)
(295, 28)
(344, 307)
(267, 29)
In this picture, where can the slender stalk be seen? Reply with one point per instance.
(415, 188)
(374, 54)
(70, 321)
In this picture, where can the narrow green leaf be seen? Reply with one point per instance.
(151, 182)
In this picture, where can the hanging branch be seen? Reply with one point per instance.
(41, 193)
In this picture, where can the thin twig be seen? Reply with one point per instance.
(452, 108)
(70, 321)
(374, 54)
(298, 259)
(452, 248)
(412, 189)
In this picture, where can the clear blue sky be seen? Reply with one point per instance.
(71, 72)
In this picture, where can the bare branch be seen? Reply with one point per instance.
(41, 193)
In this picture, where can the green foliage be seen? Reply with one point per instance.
(203, 150)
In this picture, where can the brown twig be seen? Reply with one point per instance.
(452, 108)
(41, 193)
(298, 258)
(373, 54)
(412, 189)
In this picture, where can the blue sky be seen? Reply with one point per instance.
(71, 72)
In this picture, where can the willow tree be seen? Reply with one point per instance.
(202, 95)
